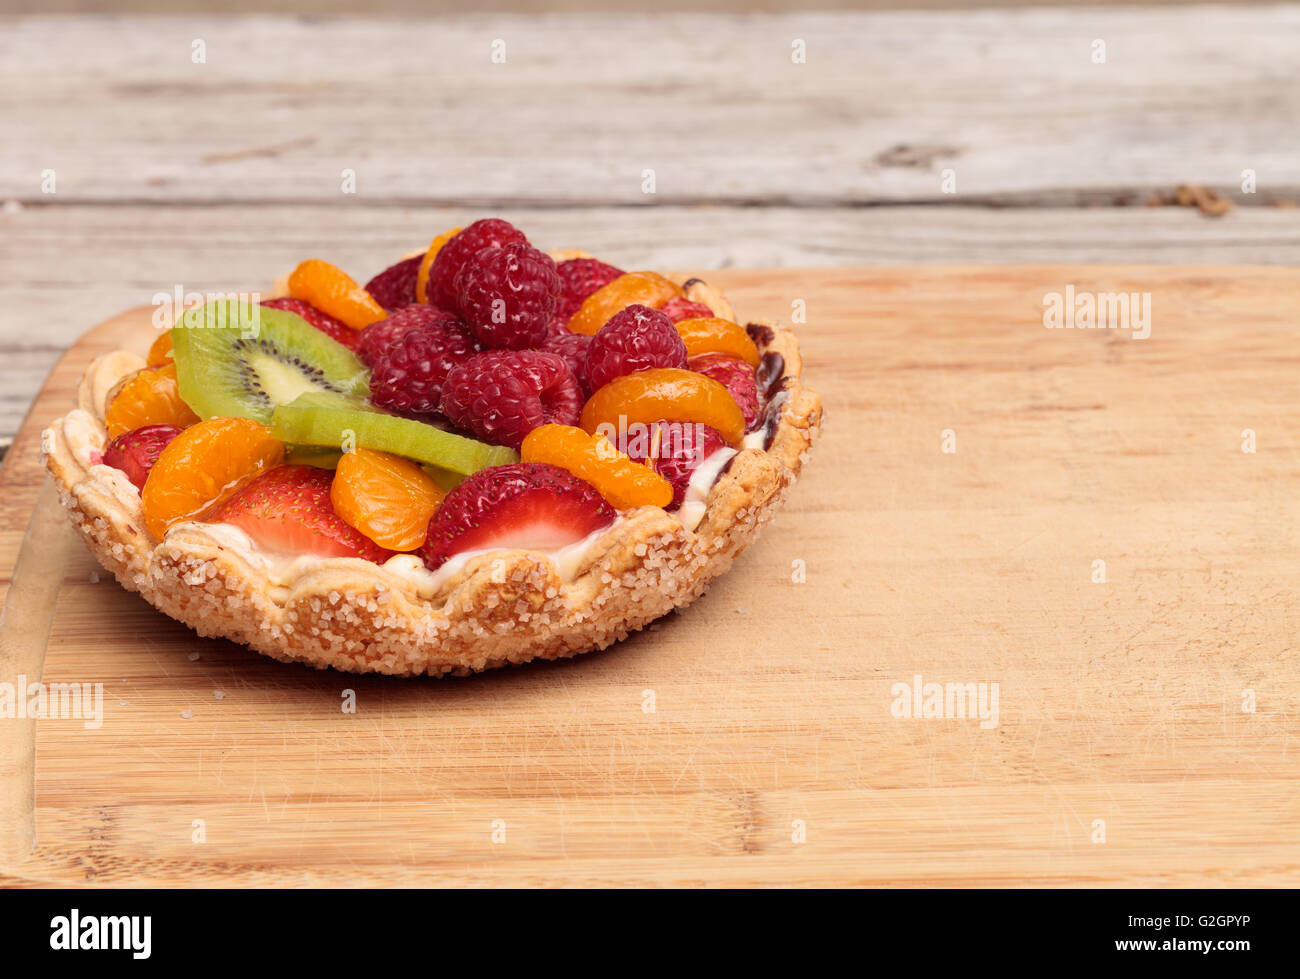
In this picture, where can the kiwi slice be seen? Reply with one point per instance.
(233, 359)
(326, 421)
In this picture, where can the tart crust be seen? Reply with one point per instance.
(497, 608)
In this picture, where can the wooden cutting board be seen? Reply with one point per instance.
(1147, 725)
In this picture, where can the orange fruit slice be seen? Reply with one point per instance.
(594, 459)
(711, 335)
(667, 393)
(333, 291)
(389, 499)
(203, 466)
(160, 351)
(426, 263)
(147, 397)
(647, 288)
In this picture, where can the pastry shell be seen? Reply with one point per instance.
(493, 609)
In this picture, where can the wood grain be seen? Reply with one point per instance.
(1119, 701)
(70, 265)
(1010, 100)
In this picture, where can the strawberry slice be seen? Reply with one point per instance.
(136, 451)
(327, 324)
(528, 505)
(288, 510)
(678, 309)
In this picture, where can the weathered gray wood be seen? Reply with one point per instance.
(69, 267)
(1010, 100)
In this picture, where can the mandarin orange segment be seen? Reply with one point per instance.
(646, 288)
(160, 351)
(385, 497)
(712, 335)
(204, 466)
(148, 397)
(426, 263)
(593, 458)
(668, 393)
(333, 291)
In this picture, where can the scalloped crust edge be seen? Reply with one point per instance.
(506, 607)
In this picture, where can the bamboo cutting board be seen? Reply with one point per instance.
(1147, 709)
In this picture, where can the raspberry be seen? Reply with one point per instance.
(408, 376)
(508, 294)
(737, 377)
(579, 278)
(635, 339)
(394, 287)
(682, 447)
(324, 322)
(678, 309)
(502, 395)
(378, 337)
(488, 233)
(573, 348)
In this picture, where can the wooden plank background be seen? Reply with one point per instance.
(1120, 701)
(223, 174)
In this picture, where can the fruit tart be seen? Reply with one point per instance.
(486, 455)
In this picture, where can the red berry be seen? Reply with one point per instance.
(579, 278)
(394, 287)
(634, 339)
(678, 309)
(288, 510)
(737, 377)
(525, 505)
(459, 249)
(502, 395)
(407, 375)
(508, 295)
(379, 337)
(573, 348)
(327, 324)
(682, 447)
(135, 452)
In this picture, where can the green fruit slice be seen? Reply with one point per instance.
(313, 420)
(239, 359)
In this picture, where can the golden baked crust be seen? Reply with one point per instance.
(495, 609)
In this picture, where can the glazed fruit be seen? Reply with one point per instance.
(646, 288)
(738, 378)
(385, 497)
(592, 458)
(663, 393)
(502, 395)
(507, 295)
(634, 339)
(426, 263)
(327, 324)
(579, 278)
(288, 510)
(160, 351)
(675, 450)
(394, 287)
(313, 420)
(136, 452)
(203, 466)
(523, 506)
(407, 375)
(573, 348)
(333, 291)
(148, 397)
(231, 365)
(378, 337)
(679, 308)
(458, 250)
(717, 336)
